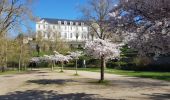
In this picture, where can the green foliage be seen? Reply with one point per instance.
(70, 64)
(43, 65)
(42, 53)
(128, 52)
(89, 62)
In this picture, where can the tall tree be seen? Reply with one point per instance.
(96, 15)
(13, 14)
(23, 51)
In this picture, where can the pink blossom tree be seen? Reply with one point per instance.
(50, 59)
(61, 58)
(103, 50)
(75, 55)
(57, 57)
(146, 23)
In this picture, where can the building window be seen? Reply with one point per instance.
(44, 26)
(82, 36)
(65, 27)
(77, 23)
(53, 26)
(71, 23)
(71, 35)
(59, 34)
(59, 22)
(71, 27)
(82, 24)
(65, 22)
(65, 35)
(88, 36)
(49, 27)
(39, 26)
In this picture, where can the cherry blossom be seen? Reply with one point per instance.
(103, 50)
(75, 55)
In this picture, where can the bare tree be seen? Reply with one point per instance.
(13, 14)
(96, 15)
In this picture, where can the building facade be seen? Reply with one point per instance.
(67, 30)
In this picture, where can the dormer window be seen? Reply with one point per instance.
(71, 23)
(65, 22)
(59, 22)
(82, 24)
(77, 23)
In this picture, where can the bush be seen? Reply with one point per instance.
(70, 64)
(39, 65)
(12, 64)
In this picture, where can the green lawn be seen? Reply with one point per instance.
(11, 72)
(154, 75)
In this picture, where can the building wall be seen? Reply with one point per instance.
(66, 30)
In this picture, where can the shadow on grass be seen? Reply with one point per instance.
(158, 96)
(50, 81)
(48, 95)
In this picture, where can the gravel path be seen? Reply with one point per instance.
(47, 85)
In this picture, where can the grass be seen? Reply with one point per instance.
(143, 74)
(11, 72)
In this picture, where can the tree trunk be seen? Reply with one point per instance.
(102, 69)
(6, 50)
(25, 66)
(61, 66)
(76, 67)
(19, 67)
(52, 67)
(20, 57)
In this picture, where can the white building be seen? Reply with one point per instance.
(67, 30)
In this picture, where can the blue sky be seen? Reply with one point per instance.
(65, 9)
(61, 9)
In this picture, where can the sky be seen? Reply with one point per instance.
(62, 9)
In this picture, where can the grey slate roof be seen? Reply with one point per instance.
(55, 21)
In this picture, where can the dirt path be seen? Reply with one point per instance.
(47, 85)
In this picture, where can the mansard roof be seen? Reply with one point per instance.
(55, 21)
